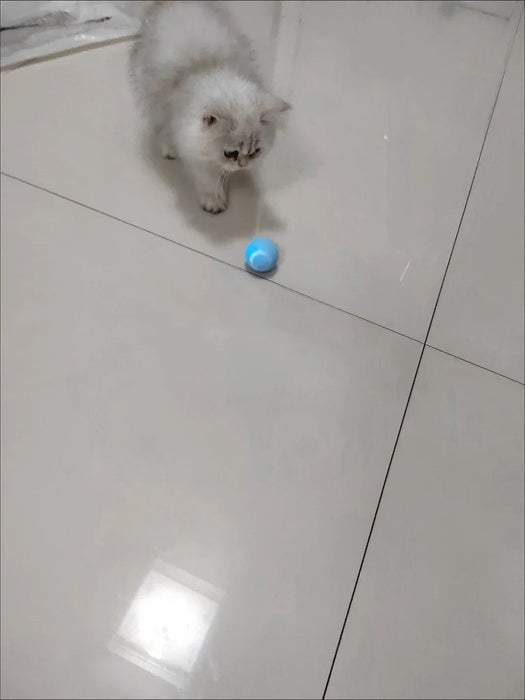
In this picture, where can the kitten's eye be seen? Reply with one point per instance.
(255, 153)
(231, 154)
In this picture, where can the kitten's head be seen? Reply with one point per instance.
(238, 123)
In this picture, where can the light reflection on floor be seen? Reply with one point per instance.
(166, 625)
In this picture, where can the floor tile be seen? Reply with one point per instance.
(385, 147)
(480, 312)
(438, 612)
(363, 194)
(177, 436)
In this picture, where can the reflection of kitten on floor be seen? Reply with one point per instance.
(196, 79)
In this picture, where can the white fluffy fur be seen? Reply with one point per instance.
(196, 79)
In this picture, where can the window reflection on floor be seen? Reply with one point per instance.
(166, 625)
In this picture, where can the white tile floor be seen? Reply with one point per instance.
(193, 459)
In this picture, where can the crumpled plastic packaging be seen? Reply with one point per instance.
(33, 30)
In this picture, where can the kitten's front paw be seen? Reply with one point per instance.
(166, 145)
(213, 204)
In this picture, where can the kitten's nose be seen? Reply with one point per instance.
(242, 161)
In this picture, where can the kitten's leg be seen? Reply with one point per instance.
(166, 143)
(160, 111)
(210, 183)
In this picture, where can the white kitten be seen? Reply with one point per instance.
(196, 79)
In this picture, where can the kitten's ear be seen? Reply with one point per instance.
(272, 108)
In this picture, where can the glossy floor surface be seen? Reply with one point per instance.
(221, 486)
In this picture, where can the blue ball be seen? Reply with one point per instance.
(262, 255)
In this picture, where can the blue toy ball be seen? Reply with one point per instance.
(262, 255)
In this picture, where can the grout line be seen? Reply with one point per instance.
(381, 493)
(278, 284)
(487, 13)
(507, 59)
(372, 526)
(212, 257)
(474, 364)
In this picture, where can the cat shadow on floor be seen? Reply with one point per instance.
(247, 212)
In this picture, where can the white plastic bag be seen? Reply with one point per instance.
(31, 30)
